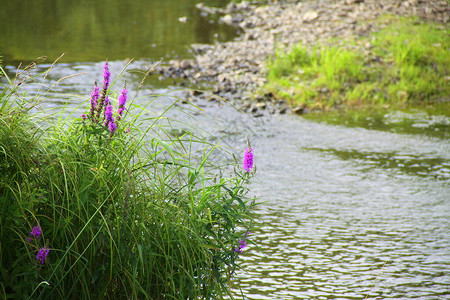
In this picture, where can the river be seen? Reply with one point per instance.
(345, 212)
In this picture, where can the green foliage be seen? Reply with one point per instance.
(407, 63)
(300, 75)
(132, 215)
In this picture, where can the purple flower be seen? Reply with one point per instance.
(109, 119)
(84, 116)
(112, 127)
(36, 232)
(242, 243)
(108, 112)
(106, 101)
(122, 101)
(123, 97)
(94, 97)
(248, 159)
(106, 76)
(42, 254)
(102, 99)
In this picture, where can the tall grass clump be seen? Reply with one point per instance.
(101, 207)
(405, 63)
(312, 76)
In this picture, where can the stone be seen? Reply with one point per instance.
(261, 105)
(283, 110)
(227, 19)
(300, 110)
(310, 16)
(184, 64)
(349, 2)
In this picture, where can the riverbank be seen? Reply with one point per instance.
(236, 70)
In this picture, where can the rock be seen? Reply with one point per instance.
(210, 98)
(227, 19)
(199, 48)
(197, 93)
(245, 106)
(250, 36)
(246, 24)
(268, 95)
(183, 64)
(283, 110)
(349, 2)
(243, 5)
(310, 16)
(368, 45)
(253, 109)
(300, 110)
(261, 105)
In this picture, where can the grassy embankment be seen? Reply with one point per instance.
(406, 63)
(123, 211)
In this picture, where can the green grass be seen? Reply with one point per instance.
(406, 62)
(133, 215)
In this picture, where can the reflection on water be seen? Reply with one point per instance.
(431, 120)
(434, 167)
(108, 29)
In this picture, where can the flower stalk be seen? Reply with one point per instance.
(106, 81)
(247, 162)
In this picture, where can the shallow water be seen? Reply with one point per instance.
(345, 212)
(349, 213)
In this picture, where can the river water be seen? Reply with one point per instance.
(344, 212)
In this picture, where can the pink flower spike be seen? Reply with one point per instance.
(106, 76)
(248, 159)
(123, 97)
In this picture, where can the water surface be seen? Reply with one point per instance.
(94, 30)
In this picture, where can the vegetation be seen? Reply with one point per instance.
(406, 62)
(94, 211)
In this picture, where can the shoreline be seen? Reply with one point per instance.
(235, 69)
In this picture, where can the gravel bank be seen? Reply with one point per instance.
(236, 68)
